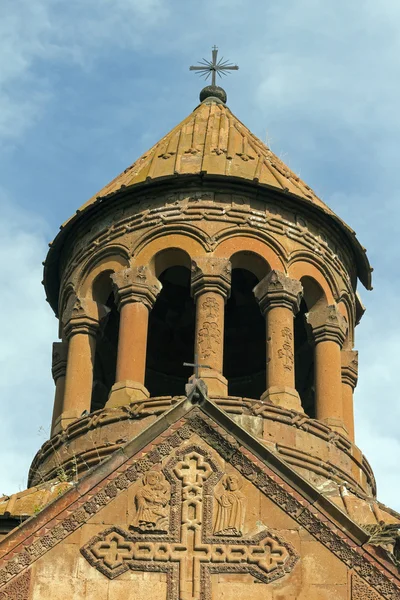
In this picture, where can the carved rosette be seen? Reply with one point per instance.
(59, 360)
(350, 367)
(211, 274)
(82, 315)
(278, 290)
(327, 324)
(136, 284)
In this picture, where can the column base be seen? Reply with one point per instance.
(65, 419)
(336, 425)
(216, 383)
(283, 396)
(125, 392)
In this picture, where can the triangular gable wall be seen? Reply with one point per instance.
(258, 465)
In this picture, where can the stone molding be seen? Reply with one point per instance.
(327, 324)
(211, 274)
(135, 284)
(362, 591)
(157, 406)
(355, 557)
(82, 315)
(278, 290)
(59, 360)
(350, 367)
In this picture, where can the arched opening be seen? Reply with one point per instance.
(245, 335)
(304, 347)
(171, 327)
(105, 361)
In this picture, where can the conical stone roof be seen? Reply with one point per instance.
(212, 141)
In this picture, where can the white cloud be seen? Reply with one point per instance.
(27, 331)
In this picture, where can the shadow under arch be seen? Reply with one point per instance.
(245, 331)
(171, 326)
(313, 295)
(105, 360)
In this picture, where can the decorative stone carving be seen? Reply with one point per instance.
(388, 537)
(17, 589)
(286, 352)
(82, 315)
(350, 367)
(231, 508)
(59, 360)
(152, 503)
(209, 339)
(136, 284)
(361, 590)
(278, 290)
(327, 324)
(193, 474)
(211, 274)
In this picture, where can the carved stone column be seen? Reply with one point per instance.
(211, 284)
(329, 329)
(136, 290)
(349, 382)
(279, 299)
(81, 322)
(58, 369)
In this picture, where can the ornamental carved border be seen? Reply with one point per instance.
(361, 591)
(18, 588)
(193, 209)
(245, 463)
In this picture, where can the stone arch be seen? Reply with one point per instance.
(111, 259)
(303, 265)
(236, 240)
(314, 294)
(183, 236)
(347, 309)
(171, 324)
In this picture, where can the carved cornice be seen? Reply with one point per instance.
(350, 367)
(211, 274)
(82, 315)
(327, 324)
(59, 360)
(135, 284)
(278, 290)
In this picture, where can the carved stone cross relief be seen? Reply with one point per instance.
(190, 552)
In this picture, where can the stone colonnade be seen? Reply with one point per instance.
(279, 296)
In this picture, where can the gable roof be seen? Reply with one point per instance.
(274, 478)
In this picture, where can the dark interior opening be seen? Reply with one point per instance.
(105, 361)
(171, 335)
(245, 338)
(304, 362)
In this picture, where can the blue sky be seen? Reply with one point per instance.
(86, 87)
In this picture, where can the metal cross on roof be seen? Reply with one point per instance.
(196, 366)
(214, 66)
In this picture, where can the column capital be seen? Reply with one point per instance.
(59, 360)
(350, 367)
(327, 324)
(211, 274)
(278, 290)
(82, 315)
(135, 284)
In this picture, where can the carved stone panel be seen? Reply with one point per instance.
(193, 547)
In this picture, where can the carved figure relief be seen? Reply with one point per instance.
(286, 352)
(210, 306)
(190, 551)
(231, 508)
(152, 503)
(209, 339)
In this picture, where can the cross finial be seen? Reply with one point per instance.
(212, 67)
(196, 366)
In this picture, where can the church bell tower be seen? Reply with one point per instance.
(202, 437)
